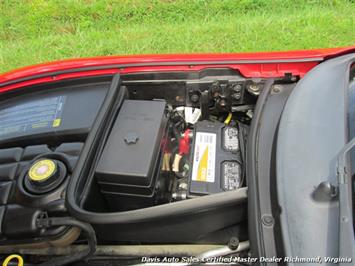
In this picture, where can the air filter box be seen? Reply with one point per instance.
(129, 165)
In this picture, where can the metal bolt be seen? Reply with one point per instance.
(183, 186)
(236, 96)
(237, 88)
(254, 87)
(276, 89)
(195, 98)
(267, 220)
(233, 243)
(179, 195)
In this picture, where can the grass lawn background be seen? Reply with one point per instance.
(35, 31)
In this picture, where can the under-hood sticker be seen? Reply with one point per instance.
(30, 116)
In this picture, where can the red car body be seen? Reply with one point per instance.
(251, 65)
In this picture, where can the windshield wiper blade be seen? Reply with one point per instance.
(346, 226)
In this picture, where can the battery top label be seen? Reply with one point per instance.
(27, 117)
(231, 140)
(232, 175)
(203, 169)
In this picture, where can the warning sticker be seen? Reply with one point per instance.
(232, 175)
(231, 141)
(203, 169)
(29, 116)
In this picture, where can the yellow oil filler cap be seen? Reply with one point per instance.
(11, 258)
(42, 170)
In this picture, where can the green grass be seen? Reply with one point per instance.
(35, 31)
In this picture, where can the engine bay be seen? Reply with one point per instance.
(160, 151)
(156, 154)
(146, 158)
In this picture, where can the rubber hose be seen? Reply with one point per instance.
(87, 230)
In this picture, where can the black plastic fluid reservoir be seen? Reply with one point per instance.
(45, 175)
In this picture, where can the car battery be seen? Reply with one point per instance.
(215, 159)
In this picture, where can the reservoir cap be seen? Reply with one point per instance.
(42, 170)
(44, 175)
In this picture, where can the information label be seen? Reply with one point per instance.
(27, 117)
